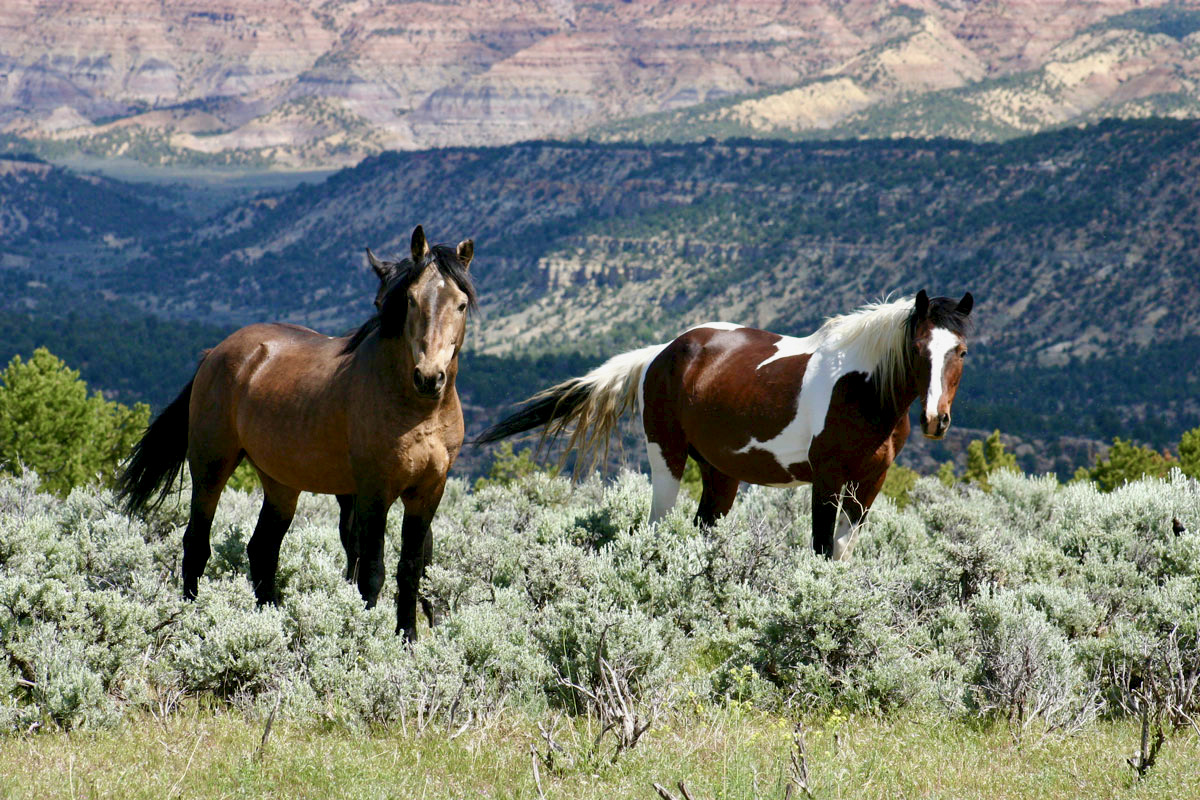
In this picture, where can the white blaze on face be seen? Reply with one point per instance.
(941, 342)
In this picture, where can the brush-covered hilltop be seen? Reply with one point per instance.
(1080, 247)
(301, 83)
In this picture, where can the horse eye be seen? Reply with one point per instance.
(462, 307)
(412, 301)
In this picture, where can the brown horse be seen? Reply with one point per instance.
(830, 409)
(373, 417)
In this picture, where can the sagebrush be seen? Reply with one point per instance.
(1031, 603)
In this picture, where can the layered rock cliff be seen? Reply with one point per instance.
(300, 82)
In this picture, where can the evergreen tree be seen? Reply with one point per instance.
(897, 484)
(1189, 453)
(985, 457)
(946, 475)
(1127, 462)
(50, 424)
(508, 466)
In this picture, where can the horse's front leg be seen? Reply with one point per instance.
(839, 513)
(824, 517)
(416, 551)
(369, 524)
(348, 533)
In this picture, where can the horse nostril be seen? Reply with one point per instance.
(417, 381)
(441, 378)
(944, 421)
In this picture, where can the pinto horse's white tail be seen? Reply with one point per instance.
(589, 406)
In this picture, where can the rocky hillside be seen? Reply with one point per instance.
(41, 203)
(302, 82)
(1077, 243)
(925, 83)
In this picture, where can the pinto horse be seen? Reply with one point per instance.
(830, 409)
(372, 418)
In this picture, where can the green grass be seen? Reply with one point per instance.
(719, 752)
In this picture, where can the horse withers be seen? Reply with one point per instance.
(372, 417)
(830, 409)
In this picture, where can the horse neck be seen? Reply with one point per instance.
(906, 394)
(893, 406)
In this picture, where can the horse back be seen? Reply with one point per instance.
(713, 391)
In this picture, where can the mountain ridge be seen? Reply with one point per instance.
(304, 83)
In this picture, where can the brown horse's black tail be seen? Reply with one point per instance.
(157, 459)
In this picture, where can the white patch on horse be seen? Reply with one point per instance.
(866, 341)
(789, 346)
(716, 326)
(844, 537)
(666, 485)
(824, 370)
(941, 342)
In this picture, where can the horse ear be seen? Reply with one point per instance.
(966, 304)
(922, 305)
(420, 247)
(466, 251)
(382, 270)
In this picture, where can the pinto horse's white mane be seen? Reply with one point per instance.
(876, 334)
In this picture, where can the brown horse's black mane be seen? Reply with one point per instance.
(394, 308)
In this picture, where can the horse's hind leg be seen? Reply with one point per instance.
(349, 534)
(717, 496)
(208, 481)
(279, 506)
(666, 470)
(667, 451)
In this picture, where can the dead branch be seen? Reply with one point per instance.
(798, 771)
(537, 775)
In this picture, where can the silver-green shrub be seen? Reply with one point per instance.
(1031, 601)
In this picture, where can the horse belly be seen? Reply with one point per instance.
(319, 473)
(761, 467)
(304, 451)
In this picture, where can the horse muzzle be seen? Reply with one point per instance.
(935, 427)
(429, 386)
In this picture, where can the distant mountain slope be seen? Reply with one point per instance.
(1082, 248)
(323, 83)
(1076, 243)
(47, 204)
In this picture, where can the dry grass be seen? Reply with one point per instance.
(719, 752)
